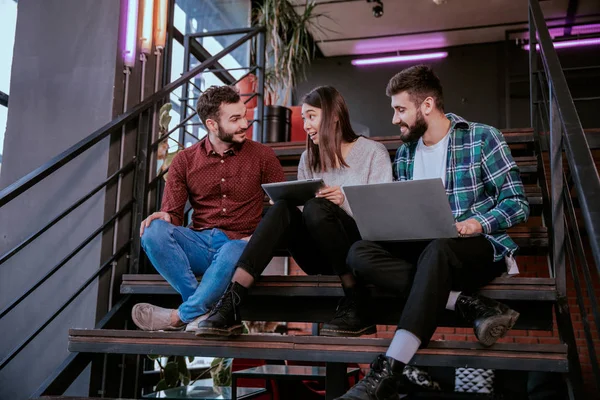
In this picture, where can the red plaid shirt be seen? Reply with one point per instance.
(224, 191)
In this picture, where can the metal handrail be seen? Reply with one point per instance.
(557, 115)
(579, 157)
(66, 259)
(3, 99)
(13, 353)
(79, 202)
(29, 180)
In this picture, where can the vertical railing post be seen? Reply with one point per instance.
(532, 71)
(557, 201)
(140, 186)
(186, 88)
(260, 74)
(507, 102)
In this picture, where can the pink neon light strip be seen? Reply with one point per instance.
(570, 43)
(393, 59)
(131, 33)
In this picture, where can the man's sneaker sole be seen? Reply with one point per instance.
(494, 328)
(369, 330)
(235, 330)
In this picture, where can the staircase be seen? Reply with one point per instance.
(564, 224)
(312, 299)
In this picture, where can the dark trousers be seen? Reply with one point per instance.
(319, 238)
(425, 273)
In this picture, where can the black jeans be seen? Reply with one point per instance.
(425, 273)
(318, 238)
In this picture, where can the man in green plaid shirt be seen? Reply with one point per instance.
(486, 196)
(482, 181)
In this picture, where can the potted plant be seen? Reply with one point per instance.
(290, 48)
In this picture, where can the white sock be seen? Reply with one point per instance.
(404, 346)
(451, 304)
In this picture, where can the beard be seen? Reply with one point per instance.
(229, 137)
(416, 131)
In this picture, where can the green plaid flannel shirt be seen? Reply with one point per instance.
(482, 180)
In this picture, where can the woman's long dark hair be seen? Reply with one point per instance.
(335, 128)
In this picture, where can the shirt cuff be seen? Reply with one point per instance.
(488, 222)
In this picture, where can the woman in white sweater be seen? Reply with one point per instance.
(320, 235)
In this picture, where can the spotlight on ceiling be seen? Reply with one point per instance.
(377, 8)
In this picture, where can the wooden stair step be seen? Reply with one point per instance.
(512, 136)
(512, 356)
(516, 289)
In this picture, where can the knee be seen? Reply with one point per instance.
(281, 208)
(156, 234)
(438, 248)
(358, 256)
(316, 210)
(232, 251)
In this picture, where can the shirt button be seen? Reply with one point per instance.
(222, 161)
(224, 210)
(224, 195)
(222, 179)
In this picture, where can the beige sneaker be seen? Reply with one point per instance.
(193, 326)
(153, 318)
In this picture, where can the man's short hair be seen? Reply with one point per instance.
(212, 98)
(419, 82)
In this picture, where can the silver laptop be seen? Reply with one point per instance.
(399, 211)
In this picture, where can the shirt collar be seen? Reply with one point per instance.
(457, 122)
(208, 147)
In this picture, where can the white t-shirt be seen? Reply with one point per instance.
(430, 161)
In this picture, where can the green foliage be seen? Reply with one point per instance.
(221, 371)
(290, 47)
(174, 373)
(164, 119)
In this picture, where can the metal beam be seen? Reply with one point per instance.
(3, 99)
(571, 14)
(201, 54)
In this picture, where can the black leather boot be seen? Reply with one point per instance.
(351, 317)
(491, 319)
(381, 383)
(225, 318)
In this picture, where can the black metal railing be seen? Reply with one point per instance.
(3, 99)
(141, 118)
(555, 121)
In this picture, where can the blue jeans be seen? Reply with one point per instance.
(180, 254)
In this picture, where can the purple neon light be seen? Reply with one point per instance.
(131, 33)
(570, 43)
(393, 59)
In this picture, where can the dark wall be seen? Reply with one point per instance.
(582, 83)
(474, 80)
(62, 85)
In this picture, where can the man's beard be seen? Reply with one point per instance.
(416, 131)
(228, 137)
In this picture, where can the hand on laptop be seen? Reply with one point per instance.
(333, 194)
(469, 227)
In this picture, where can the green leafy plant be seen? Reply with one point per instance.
(163, 154)
(174, 373)
(290, 47)
(220, 371)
